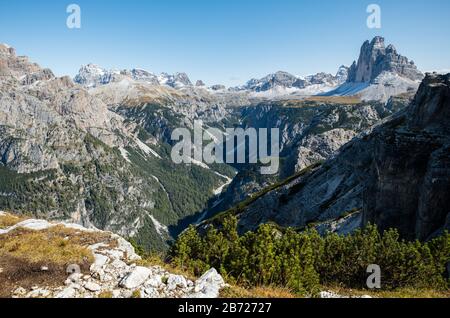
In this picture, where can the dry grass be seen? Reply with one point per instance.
(398, 293)
(23, 254)
(136, 294)
(44, 246)
(8, 220)
(349, 100)
(318, 100)
(257, 292)
(105, 294)
(277, 292)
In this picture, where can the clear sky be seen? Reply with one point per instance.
(222, 41)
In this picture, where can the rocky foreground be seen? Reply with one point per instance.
(113, 270)
(113, 273)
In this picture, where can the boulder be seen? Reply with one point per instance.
(93, 287)
(208, 286)
(136, 277)
(176, 281)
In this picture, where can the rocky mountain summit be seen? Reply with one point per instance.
(395, 175)
(92, 75)
(379, 73)
(34, 105)
(375, 58)
(111, 271)
(283, 83)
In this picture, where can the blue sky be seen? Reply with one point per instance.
(222, 41)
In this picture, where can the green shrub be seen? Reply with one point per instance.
(303, 261)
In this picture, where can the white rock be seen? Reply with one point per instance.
(116, 293)
(136, 278)
(97, 267)
(330, 294)
(105, 278)
(208, 286)
(68, 292)
(176, 281)
(150, 292)
(118, 264)
(93, 287)
(115, 254)
(78, 227)
(97, 246)
(126, 294)
(97, 272)
(100, 260)
(38, 293)
(32, 224)
(154, 281)
(36, 225)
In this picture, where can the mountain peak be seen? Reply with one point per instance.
(283, 81)
(6, 49)
(92, 75)
(375, 59)
(377, 41)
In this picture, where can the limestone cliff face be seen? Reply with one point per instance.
(375, 58)
(396, 175)
(411, 166)
(310, 132)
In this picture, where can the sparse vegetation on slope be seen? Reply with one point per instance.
(305, 261)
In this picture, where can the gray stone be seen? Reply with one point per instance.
(93, 287)
(68, 292)
(136, 277)
(208, 285)
(176, 281)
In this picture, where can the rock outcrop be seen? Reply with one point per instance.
(379, 73)
(114, 272)
(375, 58)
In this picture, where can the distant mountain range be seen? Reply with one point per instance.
(92, 75)
(379, 73)
(283, 83)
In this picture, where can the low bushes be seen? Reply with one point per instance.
(304, 261)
